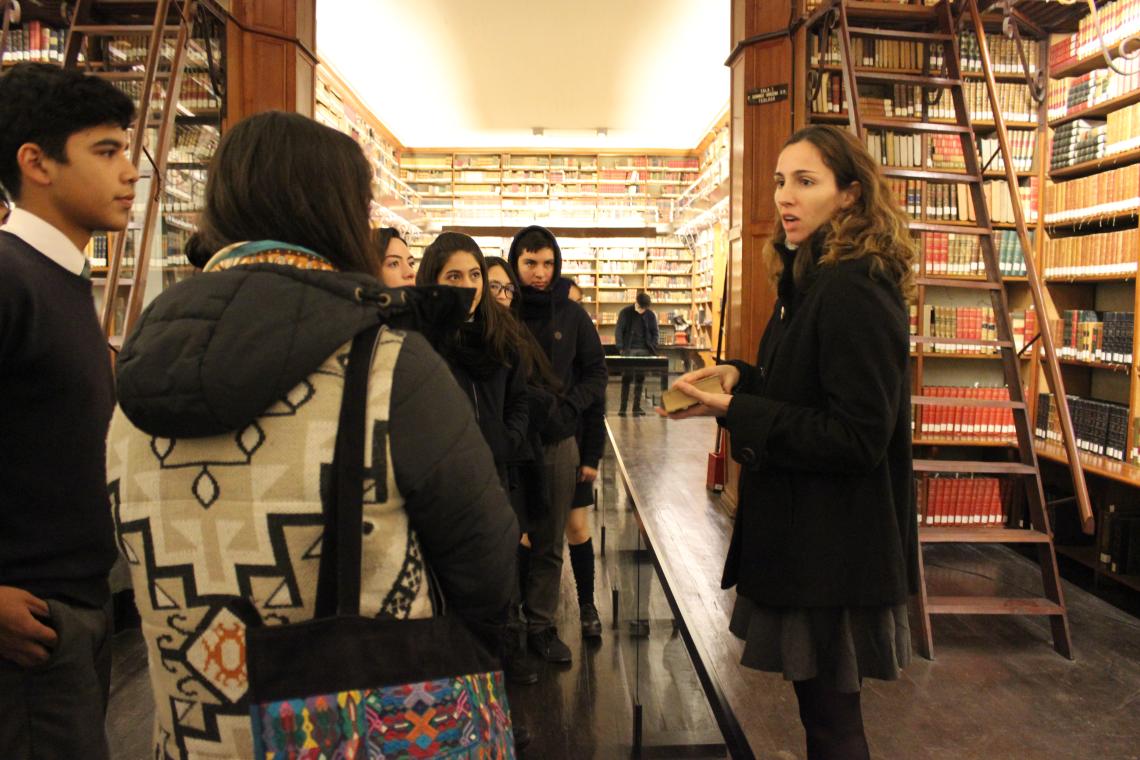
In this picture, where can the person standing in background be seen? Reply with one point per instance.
(64, 164)
(637, 334)
(569, 339)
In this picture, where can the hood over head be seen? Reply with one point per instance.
(538, 232)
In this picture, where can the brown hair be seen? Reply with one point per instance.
(281, 176)
(499, 330)
(873, 225)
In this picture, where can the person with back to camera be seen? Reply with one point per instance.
(824, 550)
(219, 455)
(636, 334)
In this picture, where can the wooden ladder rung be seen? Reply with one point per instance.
(992, 605)
(983, 403)
(962, 177)
(920, 79)
(994, 535)
(953, 229)
(930, 339)
(966, 466)
(901, 125)
(899, 34)
(950, 282)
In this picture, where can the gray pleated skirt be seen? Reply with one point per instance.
(839, 645)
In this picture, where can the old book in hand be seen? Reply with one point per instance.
(674, 400)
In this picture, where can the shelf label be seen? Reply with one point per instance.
(765, 95)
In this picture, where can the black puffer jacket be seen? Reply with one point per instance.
(218, 350)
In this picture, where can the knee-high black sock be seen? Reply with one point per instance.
(833, 722)
(582, 562)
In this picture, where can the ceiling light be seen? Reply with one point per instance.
(537, 131)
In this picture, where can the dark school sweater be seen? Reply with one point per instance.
(57, 395)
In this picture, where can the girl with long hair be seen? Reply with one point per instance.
(824, 550)
(220, 451)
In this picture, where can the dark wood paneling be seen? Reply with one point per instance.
(267, 67)
(305, 73)
(757, 134)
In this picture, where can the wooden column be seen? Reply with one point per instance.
(758, 132)
(271, 57)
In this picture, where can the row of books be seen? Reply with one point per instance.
(965, 422)
(669, 282)
(195, 94)
(1078, 141)
(1105, 194)
(1090, 336)
(1100, 427)
(954, 202)
(975, 502)
(1068, 97)
(1123, 129)
(1022, 146)
(895, 148)
(1118, 539)
(970, 323)
(946, 152)
(947, 253)
(1005, 57)
(494, 162)
(1107, 253)
(192, 144)
(1117, 21)
(898, 54)
(35, 41)
(1014, 100)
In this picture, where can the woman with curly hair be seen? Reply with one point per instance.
(824, 550)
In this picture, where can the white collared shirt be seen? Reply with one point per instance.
(46, 239)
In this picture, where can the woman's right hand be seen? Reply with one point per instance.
(709, 404)
(729, 376)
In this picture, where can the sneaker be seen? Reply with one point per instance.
(520, 668)
(591, 623)
(549, 646)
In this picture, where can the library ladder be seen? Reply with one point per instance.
(167, 37)
(941, 26)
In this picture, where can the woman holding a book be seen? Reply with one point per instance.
(824, 550)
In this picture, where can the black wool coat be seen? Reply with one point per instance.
(821, 428)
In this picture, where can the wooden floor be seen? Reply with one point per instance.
(997, 689)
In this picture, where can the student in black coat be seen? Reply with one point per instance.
(636, 334)
(591, 437)
(481, 354)
(823, 554)
(570, 340)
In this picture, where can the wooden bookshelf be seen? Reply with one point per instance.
(1085, 168)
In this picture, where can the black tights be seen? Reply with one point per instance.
(833, 722)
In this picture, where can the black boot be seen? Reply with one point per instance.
(582, 563)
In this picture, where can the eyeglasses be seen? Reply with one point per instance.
(499, 287)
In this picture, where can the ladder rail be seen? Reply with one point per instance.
(1052, 367)
(138, 136)
(166, 131)
(998, 297)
